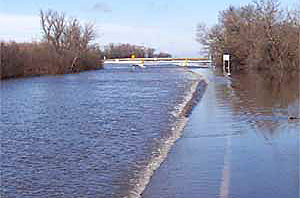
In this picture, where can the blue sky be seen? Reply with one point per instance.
(164, 25)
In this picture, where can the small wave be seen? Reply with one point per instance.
(181, 112)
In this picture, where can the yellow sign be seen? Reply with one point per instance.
(186, 62)
(132, 56)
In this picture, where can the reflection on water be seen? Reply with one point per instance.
(266, 154)
(264, 103)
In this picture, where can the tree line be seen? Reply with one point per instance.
(261, 37)
(66, 47)
(126, 50)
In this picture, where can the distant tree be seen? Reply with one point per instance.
(125, 50)
(162, 55)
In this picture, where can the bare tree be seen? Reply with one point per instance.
(88, 34)
(66, 48)
(53, 26)
(259, 36)
(71, 36)
(65, 33)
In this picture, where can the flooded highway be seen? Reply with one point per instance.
(238, 142)
(91, 134)
(99, 133)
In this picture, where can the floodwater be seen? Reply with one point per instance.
(238, 142)
(87, 135)
(93, 134)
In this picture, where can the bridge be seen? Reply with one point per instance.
(188, 62)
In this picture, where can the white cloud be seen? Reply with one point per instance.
(20, 28)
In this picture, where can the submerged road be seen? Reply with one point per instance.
(238, 143)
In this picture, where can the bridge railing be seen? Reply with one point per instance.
(157, 59)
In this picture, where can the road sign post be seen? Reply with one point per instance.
(226, 59)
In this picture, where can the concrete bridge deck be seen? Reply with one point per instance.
(120, 60)
(196, 62)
